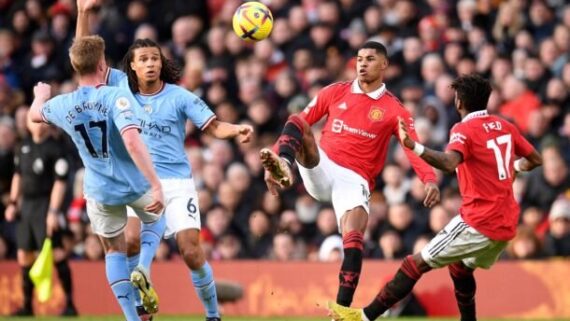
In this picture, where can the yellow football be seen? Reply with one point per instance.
(252, 21)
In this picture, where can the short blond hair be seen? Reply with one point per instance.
(85, 54)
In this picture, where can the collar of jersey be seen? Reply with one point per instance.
(376, 94)
(156, 92)
(475, 114)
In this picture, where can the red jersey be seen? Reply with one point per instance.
(359, 126)
(489, 145)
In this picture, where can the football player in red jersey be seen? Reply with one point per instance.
(362, 116)
(482, 150)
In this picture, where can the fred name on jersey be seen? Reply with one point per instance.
(494, 125)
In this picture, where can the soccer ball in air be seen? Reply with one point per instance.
(252, 21)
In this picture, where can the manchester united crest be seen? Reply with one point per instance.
(376, 114)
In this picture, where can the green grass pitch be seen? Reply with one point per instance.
(201, 318)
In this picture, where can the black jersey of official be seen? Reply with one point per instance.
(39, 165)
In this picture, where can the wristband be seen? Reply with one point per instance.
(517, 165)
(53, 210)
(418, 149)
(12, 202)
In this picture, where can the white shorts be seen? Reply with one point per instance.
(110, 220)
(460, 242)
(330, 182)
(181, 206)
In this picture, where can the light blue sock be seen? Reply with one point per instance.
(150, 240)
(203, 280)
(118, 276)
(133, 261)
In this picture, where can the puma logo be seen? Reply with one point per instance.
(149, 243)
(126, 296)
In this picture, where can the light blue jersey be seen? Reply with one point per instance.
(162, 118)
(95, 118)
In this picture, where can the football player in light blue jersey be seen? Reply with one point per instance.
(118, 167)
(162, 118)
(163, 112)
(167, 107)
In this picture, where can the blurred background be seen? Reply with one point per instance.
(522, 46)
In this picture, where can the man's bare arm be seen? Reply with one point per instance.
(445, 161)
(84, 7)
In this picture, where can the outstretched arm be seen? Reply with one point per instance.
(84, 7)
(445, 161)
(223, 130)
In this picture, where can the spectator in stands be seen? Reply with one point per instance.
(185, 33)
(331, 249)
(510, 20)
(533, 218)
(217, 222)
(544, 186)
(283, 247)
(228, 247)
(289, 223)
(41, 63)
(326, 226)
(537, 127)
(536, 75)
(401, 220)
(525, 245)
(541, 22)
(438, 219)
(389, 246)
(432, 69)
(258, 241)
(93, 250)
(396, 184)
(519, 102)
(451, 200)
(8, 67)
(557, 241)
(414, 199)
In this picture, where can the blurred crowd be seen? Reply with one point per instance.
(522, 46)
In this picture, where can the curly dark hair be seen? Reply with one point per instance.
(473, 91)
(170, 72)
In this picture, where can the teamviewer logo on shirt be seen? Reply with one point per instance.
(337, 125)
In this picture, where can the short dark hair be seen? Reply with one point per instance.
(473, 91)
(380, 48)
(170, 72)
